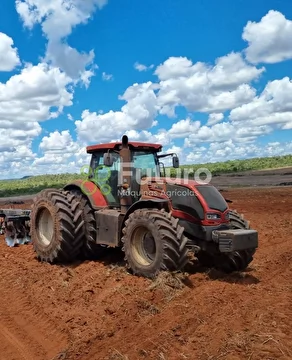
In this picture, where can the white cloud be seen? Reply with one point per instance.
(22, 153)
(30, 95)
(58, 18)
(179, 151)
(142, 67)
(60, 154)
(288, 125)
(184, 128)
(12, 138)
(71, 61)
(198, 87)
(58, 143)
(137, 114)
(215, 118)
(217, 76)
(195, 134)
(107, 77)
(272, 107)
(9, 58)
(36, 94)
(41, 92)
(161, 137)
(178, 130)
(230, 150)
(225, 131)
(269, 40)
(174, 149)
(205, 88)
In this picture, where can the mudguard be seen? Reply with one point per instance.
(89, 189)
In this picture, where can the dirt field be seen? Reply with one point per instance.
(272, 177)
(96, 311)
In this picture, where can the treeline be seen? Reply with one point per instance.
(34, 184)
(235, 166)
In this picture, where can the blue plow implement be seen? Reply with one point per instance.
(15, 226)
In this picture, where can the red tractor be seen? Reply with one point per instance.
(124, 202)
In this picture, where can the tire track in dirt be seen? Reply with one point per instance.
(109, 314)
(14, 342)
(23, 325)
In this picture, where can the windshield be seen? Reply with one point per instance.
(213, 197)
(146, 163)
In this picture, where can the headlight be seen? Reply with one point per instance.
(213, 216)
(227, 216)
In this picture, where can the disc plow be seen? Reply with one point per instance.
(15, 226)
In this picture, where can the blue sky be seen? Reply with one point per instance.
(213, 81)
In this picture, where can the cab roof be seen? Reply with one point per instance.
(118, 145)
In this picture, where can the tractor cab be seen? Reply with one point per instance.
(118, 167)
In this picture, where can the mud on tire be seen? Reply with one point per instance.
(236, 261)
(56, 221)
(153, 241)
(89, 250)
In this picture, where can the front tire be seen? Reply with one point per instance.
(236, 261)
(153, 242)
(53, 220)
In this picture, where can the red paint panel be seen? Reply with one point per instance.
(91, 190)
(115, 145)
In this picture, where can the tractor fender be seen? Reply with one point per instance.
(90, 190)
(144, 204)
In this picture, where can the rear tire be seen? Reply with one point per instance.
(236, 261)
(153, 242)
(53, 220)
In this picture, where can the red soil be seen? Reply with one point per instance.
(96, 311)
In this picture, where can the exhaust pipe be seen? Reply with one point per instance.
(126, 178)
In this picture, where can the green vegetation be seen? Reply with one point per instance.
(34, 184)
(236, 166)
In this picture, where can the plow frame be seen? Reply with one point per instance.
(15, 226)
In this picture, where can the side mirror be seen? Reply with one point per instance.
(175, 162)
(108, 159)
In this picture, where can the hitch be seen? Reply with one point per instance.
(235, 240)
(15, 226)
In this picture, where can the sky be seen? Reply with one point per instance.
(209, 80)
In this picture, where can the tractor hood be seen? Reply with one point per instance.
(160, 183)
(185, 193)
(169, 180)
